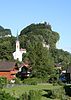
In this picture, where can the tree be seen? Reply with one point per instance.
(41, 61)
(61, 57)
(7, 47)
(44, 30)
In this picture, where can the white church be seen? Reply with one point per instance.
(18, 53)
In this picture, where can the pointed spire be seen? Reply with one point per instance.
(17, 34)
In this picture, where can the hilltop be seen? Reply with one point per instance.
(40, 42)
(5, 32)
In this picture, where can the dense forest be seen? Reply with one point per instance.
(40, 42)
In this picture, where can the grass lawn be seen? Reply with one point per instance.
(19, 90)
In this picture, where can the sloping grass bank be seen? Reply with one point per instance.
(19, 90)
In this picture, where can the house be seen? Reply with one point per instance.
(68, 74)
(24, 70)
(8, 69)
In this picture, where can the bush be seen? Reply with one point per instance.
(35, 95)
(49, 93)
(32, 95)
(55, 84)
(53, 78)
(59, 94)
(17, 81)
(24, 96)
(3, 82)
(6, 96)
(60, 83)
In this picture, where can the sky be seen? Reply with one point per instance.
(17, 14)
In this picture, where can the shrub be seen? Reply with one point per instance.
(35, 95)
(24, 96)
(32, 95)
(49, 93)
(6, 96)
(53, 78)
(3, 82)
(59, 94)
(17, 81)
(60, 83)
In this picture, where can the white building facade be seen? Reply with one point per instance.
(18, 53)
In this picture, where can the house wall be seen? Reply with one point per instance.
(8, 75)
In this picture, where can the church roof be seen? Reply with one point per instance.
(6, 65)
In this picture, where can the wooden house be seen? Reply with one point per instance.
(24, 70)
(8, 69)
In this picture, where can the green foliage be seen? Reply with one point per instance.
(4, 32)
(60, 83)
(1, 28)
(24, 96)
(59, 94)
(44, 30)
(3, 82)
(32, 81)
(40, 58)
(32, 38)
(34, 95)
(17, 81)
(61, 58)
(54, 77)
(19, 90)
(7, 46)
(6, 96)
(41, 61)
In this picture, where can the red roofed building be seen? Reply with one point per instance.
(8, 69)
(24, 70)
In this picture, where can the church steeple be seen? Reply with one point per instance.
(17, 34)
(17, 43)
(18, 53)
